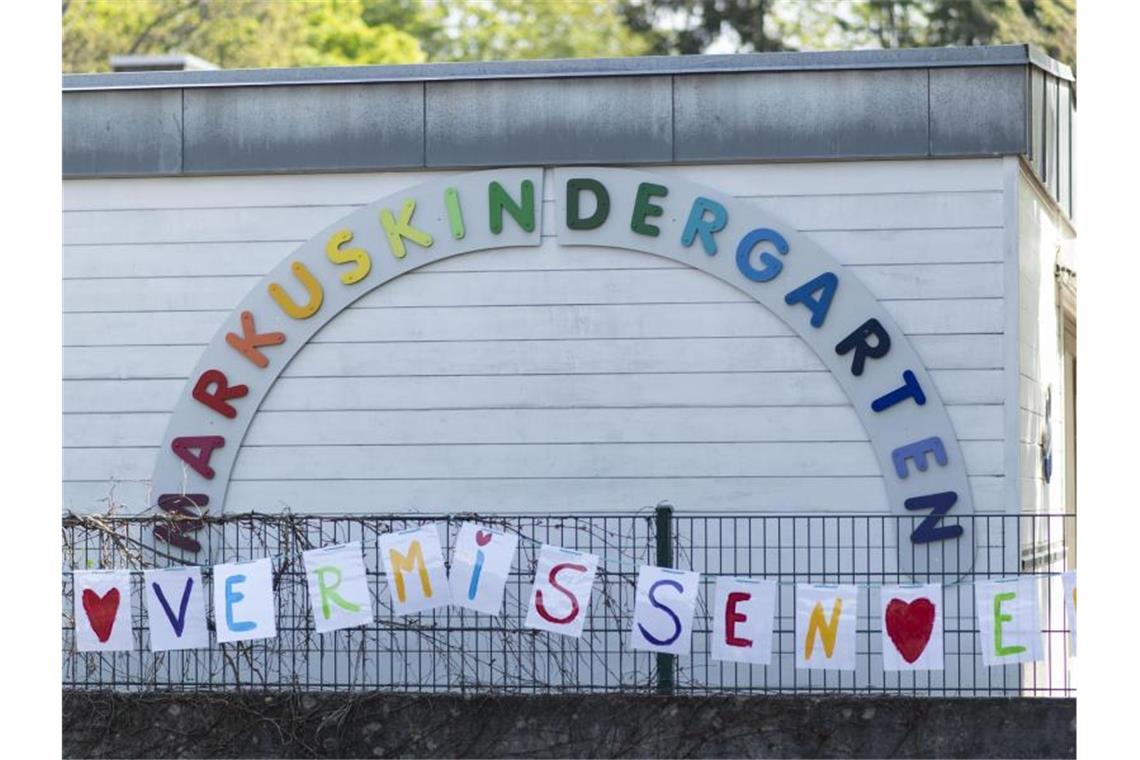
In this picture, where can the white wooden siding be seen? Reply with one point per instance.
(539, 378)
(1043, 232)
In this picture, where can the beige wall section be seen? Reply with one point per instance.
(529, 379)
(1046, 241)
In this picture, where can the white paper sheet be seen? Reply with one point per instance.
(244, 607)
(103, 611)
(1009, 623)
(560, 599)
(176, 609)
(911, 621)
(825, 627)
(338, 587)
(1069, 583)
(480, 564)
(417, 577)
(663, 609)
(744, 611)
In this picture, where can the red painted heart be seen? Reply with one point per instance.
(482, 537)
(101, 611)
(909, 625)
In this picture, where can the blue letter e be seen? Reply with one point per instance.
(233, 597)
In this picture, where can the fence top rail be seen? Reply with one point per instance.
(70, 518)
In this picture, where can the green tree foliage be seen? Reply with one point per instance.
(231, 33)
(696, 26)
(1049, 24)
(337, 33)
(692, 26)
(479, 30)
(267, 33)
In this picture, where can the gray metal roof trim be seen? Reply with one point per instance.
(1041, 60)
(997, 55)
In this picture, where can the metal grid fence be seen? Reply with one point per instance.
(457, 650)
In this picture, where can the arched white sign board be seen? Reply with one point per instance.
(741, 244)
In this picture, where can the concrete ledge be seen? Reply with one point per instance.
(978, 110)
(304, 128)
(103, 724)
(540, 121)
(803, 115)
(710, 117)
(922, 58)
(123, 133)
(856, 105)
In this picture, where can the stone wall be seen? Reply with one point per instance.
(103, 724)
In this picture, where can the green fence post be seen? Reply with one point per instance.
(664, 514)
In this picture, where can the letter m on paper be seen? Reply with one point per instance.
(412, 562)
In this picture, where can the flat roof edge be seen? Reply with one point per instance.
(906, 58)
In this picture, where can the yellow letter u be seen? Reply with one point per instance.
(312, 287)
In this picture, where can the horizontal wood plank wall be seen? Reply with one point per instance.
(1040, 349)
(567, 379)
(1042, 233)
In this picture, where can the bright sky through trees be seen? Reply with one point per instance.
(272, 33)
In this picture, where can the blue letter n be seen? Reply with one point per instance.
(929, 530)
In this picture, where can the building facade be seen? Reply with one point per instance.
(551, 371)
